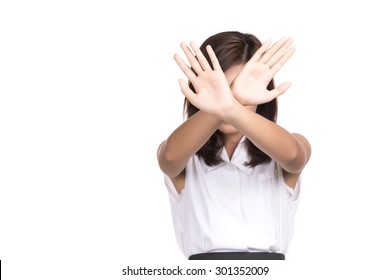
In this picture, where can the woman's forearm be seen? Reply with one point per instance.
(185, 141)
(272, 139)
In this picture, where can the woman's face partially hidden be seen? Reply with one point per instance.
(230, 75)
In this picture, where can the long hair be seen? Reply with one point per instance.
(233, 48)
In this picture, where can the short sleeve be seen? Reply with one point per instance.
(173, 195)
(294, 193)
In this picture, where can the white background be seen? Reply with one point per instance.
(89, 90)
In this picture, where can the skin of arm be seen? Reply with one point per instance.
(174, 153)
(289, 150)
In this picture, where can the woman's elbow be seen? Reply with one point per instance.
(298, 155)
(168, 163)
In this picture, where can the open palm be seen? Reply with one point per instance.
(213, 94)
(250, 85)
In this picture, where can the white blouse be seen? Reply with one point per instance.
(233, 207)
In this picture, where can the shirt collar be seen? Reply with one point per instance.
(239, 158)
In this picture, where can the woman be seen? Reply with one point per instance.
(232, 173)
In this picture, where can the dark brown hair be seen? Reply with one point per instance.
(233, 48)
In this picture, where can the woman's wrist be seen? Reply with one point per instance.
(210, 118)
(232, 112)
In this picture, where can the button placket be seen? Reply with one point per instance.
(231, 168)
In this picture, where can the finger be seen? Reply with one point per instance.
(261, 50)
(184, 67)
(213, 58)
(199, 55)
(279, 54)
(191, 58)
(186, 90)
(276, 67)
(271, 51)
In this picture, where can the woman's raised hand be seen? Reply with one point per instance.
(213, 94)
(250, 85)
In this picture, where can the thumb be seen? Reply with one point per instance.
(282, 88)
(186, 90)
